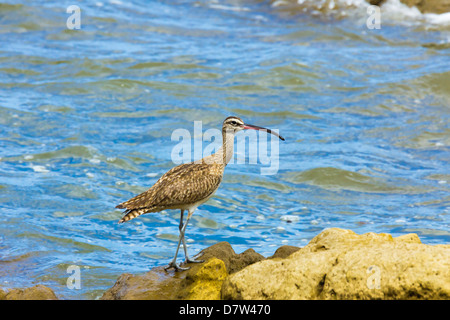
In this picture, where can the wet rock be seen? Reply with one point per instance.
(340, 8)
(3, 294)
(424, 6)
(376, 2)
(429, 6)
(203, 281)
(38, 292)
(339, 264)
(153, 285)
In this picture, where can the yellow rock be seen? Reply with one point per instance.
(207, 281)
(38, 292)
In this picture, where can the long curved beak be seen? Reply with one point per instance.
(250, 126)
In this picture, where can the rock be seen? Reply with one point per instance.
(339, 264)
(376, 2)
(206, 283)
(233, 262)
(38, 292)
(153, 285)
(3, 294)
(203, 281)
(284, 252)
(424, 6)
(336, 264)
(339, 7)
(429, 6)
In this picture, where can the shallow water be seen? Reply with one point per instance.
(86, 118)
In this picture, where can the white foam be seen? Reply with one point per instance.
(94, 161)
(151, 174)
(394, 8)
(438, 19)
(228, 8)
(290, 218)
(40, 169)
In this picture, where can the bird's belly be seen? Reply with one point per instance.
(193, 206)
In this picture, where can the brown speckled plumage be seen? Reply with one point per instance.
(179, 188)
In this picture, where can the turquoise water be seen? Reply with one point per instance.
(86, 119)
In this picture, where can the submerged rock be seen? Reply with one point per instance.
(38, 292)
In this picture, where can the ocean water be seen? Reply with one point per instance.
(87, 117)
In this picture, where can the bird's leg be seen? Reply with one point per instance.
(173, 263)
(181, 220)
(184, 241)
(189, 260)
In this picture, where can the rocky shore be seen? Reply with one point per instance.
(38, 292)
(428, 6)
(336, 264)
(424, 6)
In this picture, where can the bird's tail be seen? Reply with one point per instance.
(133, 213)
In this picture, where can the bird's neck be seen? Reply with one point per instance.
(225, 152)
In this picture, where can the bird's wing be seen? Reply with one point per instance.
(185, 184)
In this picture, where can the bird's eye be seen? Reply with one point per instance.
(233, 123)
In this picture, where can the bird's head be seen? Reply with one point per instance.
(235, 124)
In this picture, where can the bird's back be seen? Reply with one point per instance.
(180, 187)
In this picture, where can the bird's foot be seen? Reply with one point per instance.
(189, 260)
(176, 266)
(194, 260)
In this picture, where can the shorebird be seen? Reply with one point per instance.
(188, 185)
